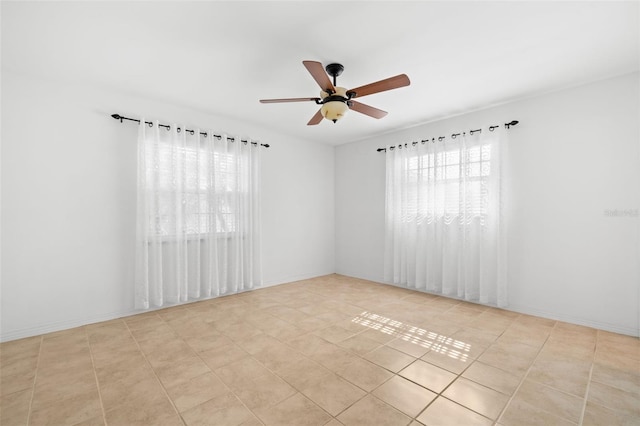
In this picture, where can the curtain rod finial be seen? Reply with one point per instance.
(116, 116)
(512, 123)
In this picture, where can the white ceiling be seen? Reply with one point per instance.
(222, 57)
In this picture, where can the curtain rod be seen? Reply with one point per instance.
(166, 126)
(453, 136)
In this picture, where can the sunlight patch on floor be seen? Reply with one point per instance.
(436, 342)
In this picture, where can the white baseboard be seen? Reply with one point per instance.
(614, 328)
(293, 278)
(62, 325)
(361, 276)
(79, 322)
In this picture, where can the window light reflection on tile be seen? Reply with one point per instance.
(438, 343)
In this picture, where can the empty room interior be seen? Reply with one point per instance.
(320, 213)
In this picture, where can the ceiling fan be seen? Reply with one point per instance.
(335, 100)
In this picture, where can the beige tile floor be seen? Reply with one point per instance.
(327, 351)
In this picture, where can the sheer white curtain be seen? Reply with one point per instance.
(445, 221)
(198, 215)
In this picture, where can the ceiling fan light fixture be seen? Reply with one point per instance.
(334, 110)
(334, 105)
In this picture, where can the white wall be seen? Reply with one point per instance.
(575, 154)
(68, 202)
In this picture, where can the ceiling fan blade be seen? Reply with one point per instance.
(319, 75)
(367, 110)
(315, 119)
(381, 86)
(273, 101)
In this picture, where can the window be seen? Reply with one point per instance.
(198, 184)
(198, 217)
(445, 224)
(448, 182)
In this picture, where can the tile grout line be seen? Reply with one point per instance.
(95, 375)
(35, 376)
(363, 359)
(197, 353)
(586, 392)
(214, 373)
(416, 359)
(515, 391)
(331, 371)
(524, 377)
(359, 356)
(153, 370)
(557, 326)
(460, 375)
(312, 332)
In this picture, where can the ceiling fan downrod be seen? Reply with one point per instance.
(334, 70)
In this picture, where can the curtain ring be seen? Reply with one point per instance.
(178, 129)
(168, 128)
(191, 131)
(150, 123)
(440, 138)
(204, 134)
